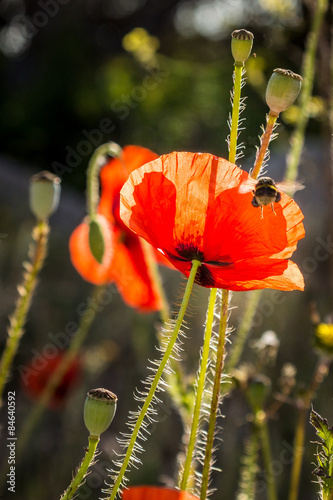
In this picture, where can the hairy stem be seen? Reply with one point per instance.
(37, 254)
(81, 473)
(200, 389)
(75, 344)
(216, 394)
(264, 143)
(243, 330)
(235, 112)
(156, 379)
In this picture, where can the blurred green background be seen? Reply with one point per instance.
(159, 74)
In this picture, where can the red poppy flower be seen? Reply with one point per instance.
(37, 374)
(155, 493)
(127, 266)
(190, 206)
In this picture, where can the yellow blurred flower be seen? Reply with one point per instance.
(142, 45)
(324, 333)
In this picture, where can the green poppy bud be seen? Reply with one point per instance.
(241, 45)
(282, 90)
(99, 409)
(44, 194)
(96, 239)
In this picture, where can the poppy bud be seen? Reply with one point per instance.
(99, 409)
(282, 89)
(44, 194)
(241, 45)
(97, 238)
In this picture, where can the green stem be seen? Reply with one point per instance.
(308, 73)
(96, 162)
(80, 475)
(76, 342)
(243, 330)
(320, 373)
(298, 451)
(37, 254)
(216, 394)
(200, 389)
(235, 112)
(264, 143)
(267, 455)
(156, 380)
(249, 467)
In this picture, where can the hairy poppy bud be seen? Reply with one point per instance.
(241, 45)
(97, 237)
(99, 409)
(282, 89)
(44, 194)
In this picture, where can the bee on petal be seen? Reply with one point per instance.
(266, 191)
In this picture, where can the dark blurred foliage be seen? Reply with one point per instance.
(63, 74)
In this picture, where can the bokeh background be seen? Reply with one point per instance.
(160, 73)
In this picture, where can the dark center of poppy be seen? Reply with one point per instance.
(188, 251)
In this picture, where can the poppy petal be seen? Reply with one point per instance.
(35, 378)
(155, 493)
(247, 231)
(248, 274)
(82, 258)
(130, 272)
(197, 211)
(114, 174)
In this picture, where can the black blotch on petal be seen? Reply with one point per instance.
(204, 277)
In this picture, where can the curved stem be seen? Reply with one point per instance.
(200, 389)
(216, 394)
(80, 475)
(96, 162)
(265, 139)
(76, 342)
(155, 382)
(235, 112)
(37, 255)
